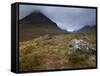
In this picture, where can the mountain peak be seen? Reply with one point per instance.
(87, 28)
(35, 13)
(37, 24)
(36, 17)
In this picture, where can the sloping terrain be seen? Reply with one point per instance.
(88, 29)
(36, 24)
(51, 52)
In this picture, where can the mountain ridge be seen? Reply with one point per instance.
(37, 24)
(36, 17)
(87, 29)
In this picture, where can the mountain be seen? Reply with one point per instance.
(36, 18)
(37, 24)
(88, 29)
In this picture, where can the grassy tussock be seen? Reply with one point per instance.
(51, 52)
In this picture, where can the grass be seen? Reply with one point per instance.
(51, 52)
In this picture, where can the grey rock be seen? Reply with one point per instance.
(80, 45)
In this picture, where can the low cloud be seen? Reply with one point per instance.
(67, 18)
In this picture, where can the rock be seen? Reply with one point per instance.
(80, 45)
(46, 37)
(93, 50)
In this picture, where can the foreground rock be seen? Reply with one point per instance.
(81, 46)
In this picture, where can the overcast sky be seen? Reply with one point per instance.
(67, 18)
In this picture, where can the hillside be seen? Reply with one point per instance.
(51, 52)
(88, 29)
(36, 24)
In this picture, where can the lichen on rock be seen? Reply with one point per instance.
(80, 45)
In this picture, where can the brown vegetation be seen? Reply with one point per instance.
(51, 52)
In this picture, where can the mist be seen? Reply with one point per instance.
(67, 18)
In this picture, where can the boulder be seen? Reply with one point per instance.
(80, 45)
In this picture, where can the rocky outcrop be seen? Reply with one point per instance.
(81, 46)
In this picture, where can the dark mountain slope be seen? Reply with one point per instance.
(36, 24)
(36, 18)
(88, 29)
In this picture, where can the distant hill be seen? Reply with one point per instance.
(87, 29)
(36, 18)
(36, 24)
